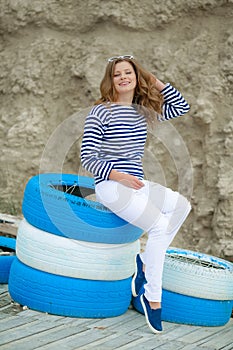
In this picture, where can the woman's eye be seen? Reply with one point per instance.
(118, 74)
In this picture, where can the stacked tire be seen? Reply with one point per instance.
(73, 256)
(7, 256)
(197, 289)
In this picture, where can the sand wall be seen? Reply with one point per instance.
(52, 57)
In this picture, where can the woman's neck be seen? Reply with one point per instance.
(125, 99)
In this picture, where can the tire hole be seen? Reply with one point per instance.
(74, 189)
(196, 261)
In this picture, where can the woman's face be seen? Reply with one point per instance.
(124, 78)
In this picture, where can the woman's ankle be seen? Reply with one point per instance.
(155, 305)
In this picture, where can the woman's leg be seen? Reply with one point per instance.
(175, 208)
(157, 210)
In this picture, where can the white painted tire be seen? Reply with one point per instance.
(198, 275)
(72, 258)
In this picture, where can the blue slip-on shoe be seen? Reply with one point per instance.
(153, 317)
(139, 277)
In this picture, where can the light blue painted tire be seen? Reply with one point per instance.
(68, 296)
(198, 275)
(6, 261)
(72, 258)
(189, 310)
(49, 208)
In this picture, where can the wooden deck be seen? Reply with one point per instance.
(27, 329)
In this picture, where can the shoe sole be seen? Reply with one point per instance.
(133, 289)
(146, 315)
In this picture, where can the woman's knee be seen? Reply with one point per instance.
(184, 203)
(159, 226)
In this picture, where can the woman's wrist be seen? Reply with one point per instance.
(159, 85)
(126, 179)
(115, 175)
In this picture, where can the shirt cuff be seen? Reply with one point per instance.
(166, 89)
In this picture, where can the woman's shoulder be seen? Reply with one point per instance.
(101, 111)
(100, 108)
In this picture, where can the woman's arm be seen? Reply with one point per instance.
(91, 143)
(126, 179)
(174, 103)
(159, 84)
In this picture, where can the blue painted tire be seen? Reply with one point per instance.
(6, 261)
(67, 296)
(189, 310)
(73, 258)
(198, 275)
(47, 207)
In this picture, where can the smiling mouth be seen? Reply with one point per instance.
(125, 83)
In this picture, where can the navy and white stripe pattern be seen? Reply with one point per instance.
(115, 135)
(174, 104)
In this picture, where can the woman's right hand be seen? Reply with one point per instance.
(126, 179)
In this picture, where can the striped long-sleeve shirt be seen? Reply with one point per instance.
(115, 135)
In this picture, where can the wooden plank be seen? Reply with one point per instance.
(220, 340)
(4, 300)
(42, 331)
(189, 334)
(228, 347)
(117, 341)
(110, 322)
(40, 339)
(101, 343)
(3, 288)
(202, 334)
(9, 224)
(23, 330)
(179, 331)
(41, 316)
(29, 312)
(6, 306)
(155, 342)
(145, 331)
(136, 323)
(79, 340)
(116, 324)
(152, 342)
(195, 347)
(12, 322)
(105, 326)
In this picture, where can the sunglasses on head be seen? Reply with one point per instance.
(114, 58)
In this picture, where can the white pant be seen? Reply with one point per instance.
(157, 210)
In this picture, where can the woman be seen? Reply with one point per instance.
(112, 150)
